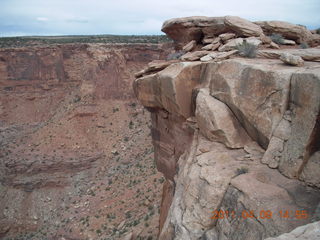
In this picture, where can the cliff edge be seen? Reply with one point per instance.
(236, 138)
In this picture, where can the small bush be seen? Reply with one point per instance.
(277, 38)
(241, 170)
(304, 45)
(247, 49)
(128, 214)
(318, 31)
(175, 55)
(115, 110)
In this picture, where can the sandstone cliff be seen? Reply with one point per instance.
(75, 150)
(237, 139)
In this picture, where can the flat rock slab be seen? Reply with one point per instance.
(309, 54)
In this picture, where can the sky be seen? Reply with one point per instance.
(125, 17)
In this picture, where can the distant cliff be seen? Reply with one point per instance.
(236, 138)
(75, 147)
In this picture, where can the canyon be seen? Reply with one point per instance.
(213, 136)
(76, 152)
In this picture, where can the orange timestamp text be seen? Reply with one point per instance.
(262, 214)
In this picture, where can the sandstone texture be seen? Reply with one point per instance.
(308, 232)
(240, 149)
(291, 59)
(287, 30)
(184, 30)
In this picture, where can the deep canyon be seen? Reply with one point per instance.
(76, 152)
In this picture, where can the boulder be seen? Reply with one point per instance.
(218, 56)
(288, 42)
(253, 40)
(291, 59)
(231, 44)
(243, 27)
(212, 46)
(226, 36)
(287, 30)
(190, 46)
(211, 40)
(193, 56)
(217, 122)
(265, 39)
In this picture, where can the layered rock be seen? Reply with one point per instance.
(288, 30)
(195, 29)
(241, 147)
(183, 30)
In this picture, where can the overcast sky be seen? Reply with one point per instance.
(64, 17)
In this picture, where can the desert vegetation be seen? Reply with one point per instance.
(7, 42)
(247, 49)
(277, 38)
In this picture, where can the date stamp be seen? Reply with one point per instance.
(262, 214)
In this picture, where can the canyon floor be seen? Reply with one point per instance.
(76, 153)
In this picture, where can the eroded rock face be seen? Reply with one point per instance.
(301, 148)
(258, 97)
(170, 88)
(217, 122)
(243, 161)
(253, 123)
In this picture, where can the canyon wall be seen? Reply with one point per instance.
(236, 138)
(75, 150)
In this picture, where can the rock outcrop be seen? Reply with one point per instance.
(237, 139)
(288, 30)
(194, 29)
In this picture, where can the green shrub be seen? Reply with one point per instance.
(175, 55)
(241, 170)
(277, 38)
(247, 49)
(304, 45)
(318, 31)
